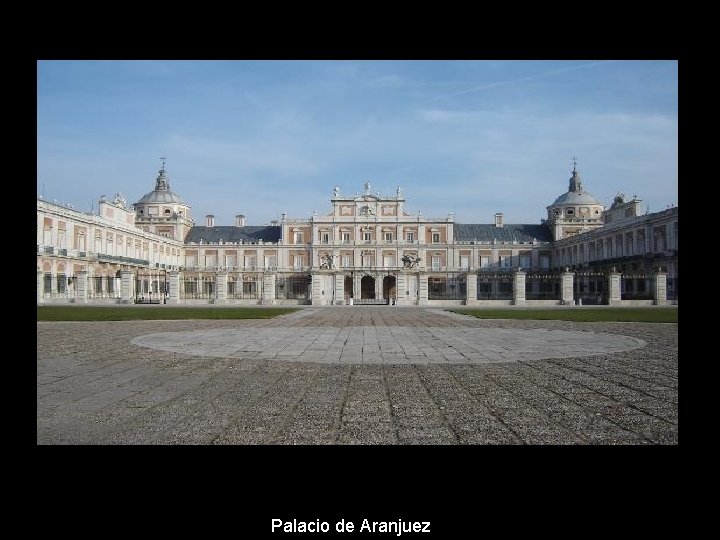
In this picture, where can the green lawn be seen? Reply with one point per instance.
(649, 314)
(149, 313)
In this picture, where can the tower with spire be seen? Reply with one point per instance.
(162, 211)
(575, 211)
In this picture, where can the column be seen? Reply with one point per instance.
(81, 287)
(268, 292)
(403, 298)
(40, 286)
(379, 286)
(519, 287)
(660, 293)
(614, 287)
(423, 290)
(339, 289)
(173, 287)
(53, 283)
(566, 287)
(126, 287)
(470, 289)
(221, 284)
(317, 284)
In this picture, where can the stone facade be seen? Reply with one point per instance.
(367, 249)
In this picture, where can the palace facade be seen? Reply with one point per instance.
(368, 249)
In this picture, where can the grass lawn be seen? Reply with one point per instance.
(149, 313)
(649, 314)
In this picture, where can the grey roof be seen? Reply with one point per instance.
(232, 234)
(575, 197)
(161, 196)
(467, 232)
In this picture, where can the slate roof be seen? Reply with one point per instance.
(467, 232)
(575, 197)
(161, 196)
(231, 234)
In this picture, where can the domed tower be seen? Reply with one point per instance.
(575, 211)
(162, 211)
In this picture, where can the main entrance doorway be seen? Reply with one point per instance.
(348, 289)
(367, 287)
(389, 288)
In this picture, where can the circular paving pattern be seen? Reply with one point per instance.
(388, 344)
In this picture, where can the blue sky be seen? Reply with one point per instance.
(266, 137)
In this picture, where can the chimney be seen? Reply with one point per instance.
(499, 219)
(239, 220)
(210, 220)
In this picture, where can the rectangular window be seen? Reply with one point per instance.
(388, 261)
(271, 261)
(367, 237)
(464, 262)
(250, 261)
(436, 263)
(525, 261)
(435, 238)
(346, 238)
(324, 238)
(299, 237)
(410, 237)
(388, 237)
(298, 262)
(484, 262)
(345, 261)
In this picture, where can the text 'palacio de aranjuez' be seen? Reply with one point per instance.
(368, 249)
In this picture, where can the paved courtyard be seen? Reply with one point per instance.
(348, 375)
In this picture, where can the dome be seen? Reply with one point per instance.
(575, 193)
(157, 196)
(161, 193)
(575, 197)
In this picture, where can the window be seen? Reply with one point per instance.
(388, 237)
(570, 211)
(167, 211)
(464, 262)
(345, 261)
(299, 237)
(436, 263)
(388, 261)
(324, 238)
(346, 238)
(367, 237)
(436, 238)
(298, 262)
(484, 262)
(410, 237)
(525, 261)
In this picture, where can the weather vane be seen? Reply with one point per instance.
(574, 163)
(163, 161)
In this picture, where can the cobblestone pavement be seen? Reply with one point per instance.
(94, 385)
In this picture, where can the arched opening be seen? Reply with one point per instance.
(389, 288)
(348, 288)
(367, 287)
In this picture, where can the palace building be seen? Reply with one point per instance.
(368, 249)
